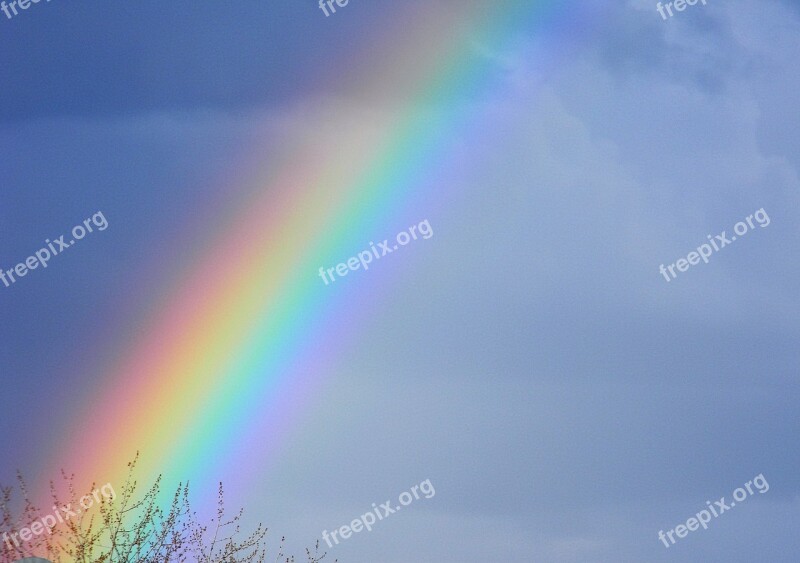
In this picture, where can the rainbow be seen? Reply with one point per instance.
(224, 360)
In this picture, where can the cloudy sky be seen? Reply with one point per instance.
(564, 399)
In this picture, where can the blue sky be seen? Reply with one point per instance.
(564, 399)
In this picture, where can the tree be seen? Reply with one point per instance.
(127, 529)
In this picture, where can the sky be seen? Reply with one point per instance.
(564, 399)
